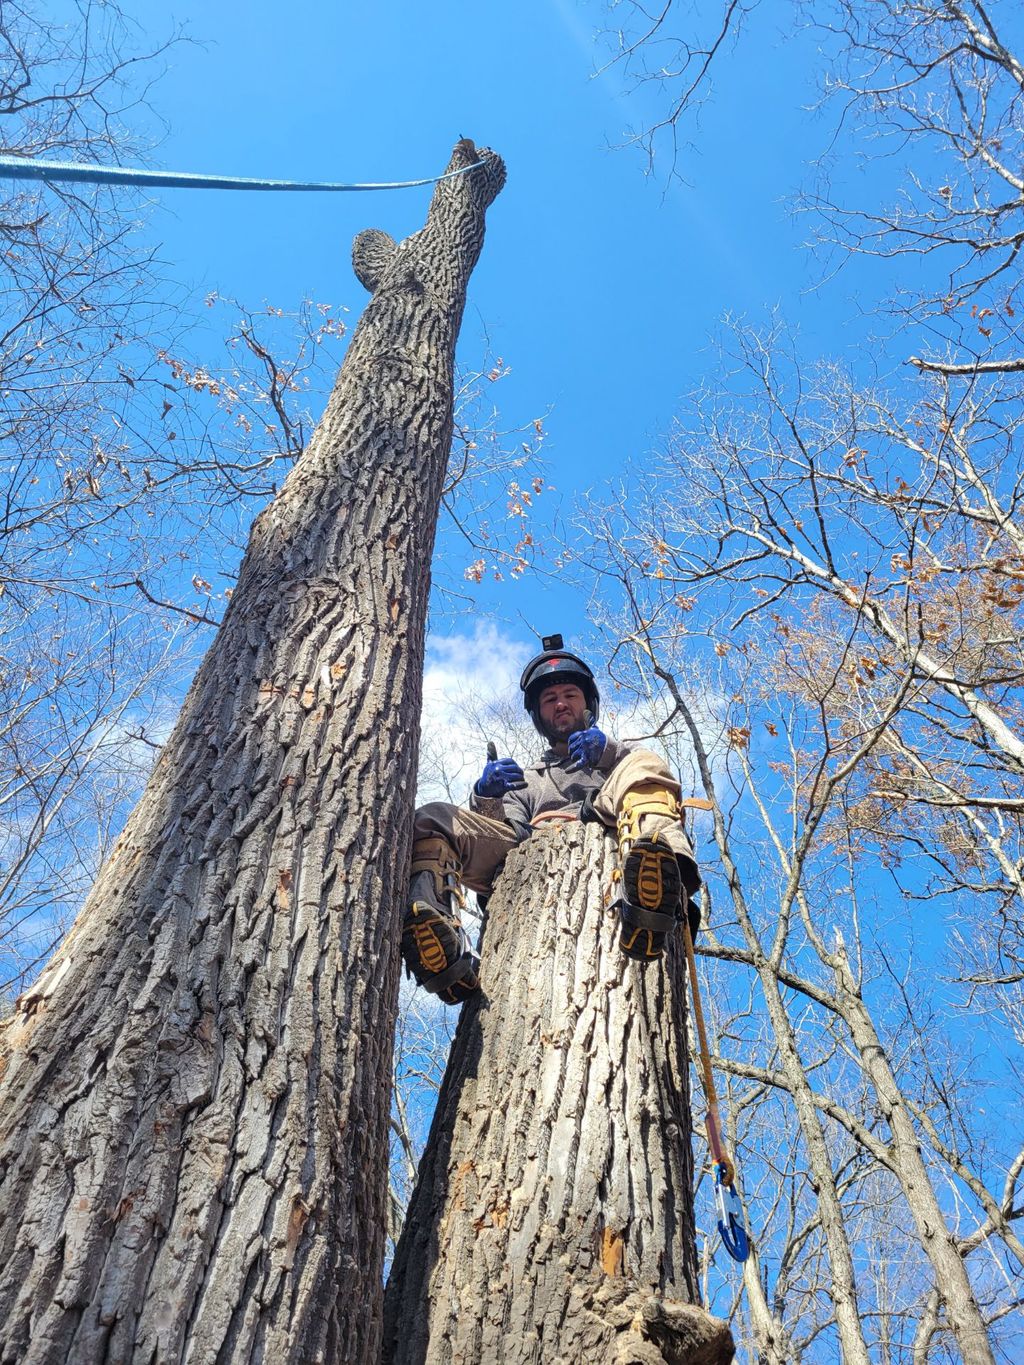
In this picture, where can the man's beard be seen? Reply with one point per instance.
(559, 732)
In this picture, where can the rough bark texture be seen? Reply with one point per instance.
(553, 1217)
(194, 1096)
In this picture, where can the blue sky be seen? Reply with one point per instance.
(600, 286)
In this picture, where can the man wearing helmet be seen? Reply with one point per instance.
(582, 775)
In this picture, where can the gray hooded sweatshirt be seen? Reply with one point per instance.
(550, 787)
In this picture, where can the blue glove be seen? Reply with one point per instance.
(586, 747)
(501, 775)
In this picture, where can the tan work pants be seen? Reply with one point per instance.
(481, 844)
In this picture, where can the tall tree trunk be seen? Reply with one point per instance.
(964, 1316)
(553, 1216)
(194, 1095)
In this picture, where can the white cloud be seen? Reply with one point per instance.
(470, 695)
(650, 722)
(485, 661)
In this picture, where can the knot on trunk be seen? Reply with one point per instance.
(441, 255)
(372, 251)
(632, 1326)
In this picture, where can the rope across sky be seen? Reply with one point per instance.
(23, 168)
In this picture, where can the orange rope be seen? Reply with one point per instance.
(713, 1120)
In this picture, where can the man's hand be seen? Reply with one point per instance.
(501, 775)
(586, 747)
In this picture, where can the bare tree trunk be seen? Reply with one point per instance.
(553, 1217)
(963, 1312)
(194, 1096)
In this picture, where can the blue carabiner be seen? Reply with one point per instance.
(730, 1220)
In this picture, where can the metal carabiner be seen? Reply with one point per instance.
(730, 1218)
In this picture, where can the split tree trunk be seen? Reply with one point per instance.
(195, 1094)
(553, 1216)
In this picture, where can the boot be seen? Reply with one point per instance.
(435, 947)
(657, 878)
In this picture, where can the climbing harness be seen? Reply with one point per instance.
(80, 172)
(649, 798)
(730, 1211)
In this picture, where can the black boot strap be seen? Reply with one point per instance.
(441, 982)
(638, 918)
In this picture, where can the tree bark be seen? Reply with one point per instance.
(195, 1093)
(553, 1216)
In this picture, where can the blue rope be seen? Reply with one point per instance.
(21, 168)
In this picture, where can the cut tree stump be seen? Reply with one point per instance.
(552, 1220)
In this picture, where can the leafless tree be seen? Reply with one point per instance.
(671, 48)
(76, 743)
(845, 573)
(842, 578)
(935, 88)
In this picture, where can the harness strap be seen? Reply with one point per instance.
(435, 855)
(649, 798)
(638, 918)
(440, 981)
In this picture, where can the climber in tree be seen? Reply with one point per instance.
(582, 775)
